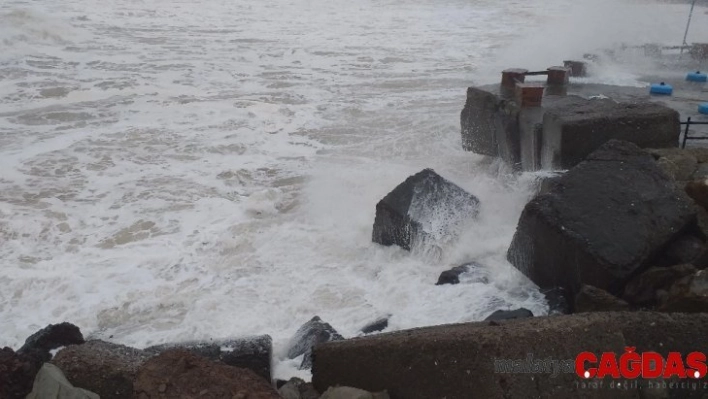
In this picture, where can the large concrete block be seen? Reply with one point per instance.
(490, 124)
(573, 130)
(600, 223)
(425, 208)
(473, 360)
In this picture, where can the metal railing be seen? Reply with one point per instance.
(688, 124)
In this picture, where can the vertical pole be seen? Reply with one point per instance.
(688, 24)
(685, 133)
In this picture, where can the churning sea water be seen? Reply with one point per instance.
(174, 170)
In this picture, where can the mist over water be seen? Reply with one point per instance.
(189, 170)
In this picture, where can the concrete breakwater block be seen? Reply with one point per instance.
(424, 207)
(571, 131)
(563, 129)
(490, 124)
(477, 360)
(600, 223)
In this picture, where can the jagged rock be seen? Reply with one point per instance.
(51, 337)
(254, 353)
(557, 300)
(178, 373)
(688, 295)
(377, 325)
(698, 190)
(603, 222)
(593, 299)
(473, 272)
(18, 372)
(500, 315)
(50, 383)
(312, 333)
(101, 367)
(352, 393)
(642, 289)
(425, 207)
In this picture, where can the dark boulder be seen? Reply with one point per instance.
(254, 353)
(178, 373)
(376, 325)
(51, 337)
(685, 249)
(593, 299)
(500, 315)
(603, 222)
(688, 295)
(101, 367)
(424, 207)
(698, 191)
(312, 333)
(17, 374)
(297, 388)
(473, 272)
(642, 289)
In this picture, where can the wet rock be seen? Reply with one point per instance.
(473, 272)
(557, 300)
(50, 383)
(701, 153)
(177, 373)
(254, 353)
(377, 325)
(701, 172)
(101, 367)
(593, 299)
(352, 393)
(688, 295)
(610, 215)
(698, 191)
(296, 388)
(686, 249)
(18, 372)
(500, 315)
(312, 333)
(51, 337)
(424, 208)
(642, 289)
(680, 163)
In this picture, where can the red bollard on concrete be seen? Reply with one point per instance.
(558, 75)
(512, 76)
(529, 94)
(578, 69)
